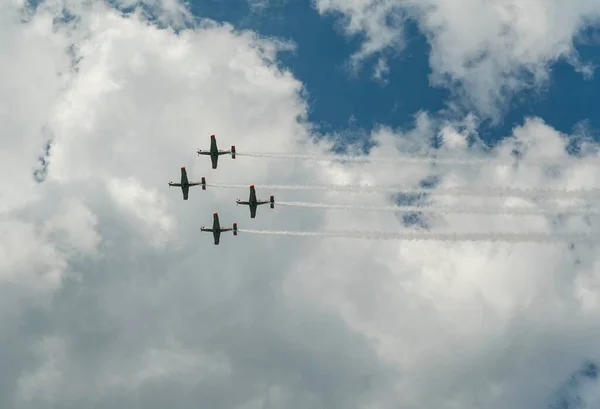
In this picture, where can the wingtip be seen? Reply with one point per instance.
(215, 214)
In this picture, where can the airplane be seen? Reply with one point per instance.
(214, 152)
(217, 230)
(253, 203)
(185, 183)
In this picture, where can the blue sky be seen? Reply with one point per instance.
(339, 101)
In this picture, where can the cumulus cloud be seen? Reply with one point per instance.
(484, 51)
(112, 295)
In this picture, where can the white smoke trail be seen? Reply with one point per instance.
(351, 158)
(417, 160)
(457, 191)
(448, 209)
(432, 236)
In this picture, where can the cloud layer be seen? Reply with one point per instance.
(112, 297)
(483, 51)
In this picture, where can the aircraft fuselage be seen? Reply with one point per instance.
(214, 152)
(217, 230)
(184, 183)
(253, 202)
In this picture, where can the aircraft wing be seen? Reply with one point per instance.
(252, 212)
(214, 160)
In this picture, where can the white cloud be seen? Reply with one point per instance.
(74, 224)
(483, 50)
(145, 207)
(112, 295)
(381, 71)
(28, 259)
(40, 385)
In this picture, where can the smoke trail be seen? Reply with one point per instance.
(351, 158)
(413, 159)
(448, 209)
(457, 191)
(431, 236)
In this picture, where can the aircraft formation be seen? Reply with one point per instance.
(533, 193)
(185, 185)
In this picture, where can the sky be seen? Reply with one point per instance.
(339, 102)
(484, 294)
